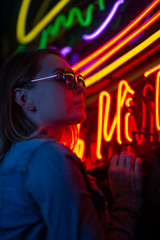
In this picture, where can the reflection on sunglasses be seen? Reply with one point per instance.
(71, 78)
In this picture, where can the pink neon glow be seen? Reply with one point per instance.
(102, 27)
(64, 51)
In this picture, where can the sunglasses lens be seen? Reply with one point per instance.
(72, 79)
(80, 80)
(69, 79)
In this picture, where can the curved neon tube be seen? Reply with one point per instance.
(108, 134)
(126, 126)
(64, 51)
(120, 96)
(101, 5)
(157, 92)
(25, 38)
(66, 22)
(121, 44)
(111, 42)
(102, 27)
(127, 56)
(150, 71)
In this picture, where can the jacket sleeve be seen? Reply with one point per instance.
(58, 187)
(123, 217)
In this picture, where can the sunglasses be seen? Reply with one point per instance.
(72, 79)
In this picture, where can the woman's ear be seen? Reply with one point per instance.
(22, 99)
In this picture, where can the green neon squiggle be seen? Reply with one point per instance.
(63, 21)
(101, 5)
(44, 39)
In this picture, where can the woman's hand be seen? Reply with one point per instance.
(125, 174)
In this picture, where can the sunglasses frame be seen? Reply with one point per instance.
(77, 78)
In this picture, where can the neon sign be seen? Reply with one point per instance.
(106, 128)
(129, 121)
(22, 38)
(61, 20)
(118, 37)
(116, 123)
(65, 22)
(102, 27)
(157, 102)
(117, 63)
(120, 45)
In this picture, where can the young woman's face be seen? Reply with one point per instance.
(55, 103)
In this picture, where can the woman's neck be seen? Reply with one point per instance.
(55, 133)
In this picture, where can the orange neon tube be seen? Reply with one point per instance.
(121, 60)
(100, 121)
(120, 103)
(150, 71)
(126, 120)
(152, 124)
(121, 44)
(157, 102)
(126, 30)
(126, 126)
(108, 136)
(140, 137)
(124, 69)
(119, 97)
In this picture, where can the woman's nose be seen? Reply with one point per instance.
(80, 89)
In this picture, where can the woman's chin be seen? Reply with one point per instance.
(80, 119)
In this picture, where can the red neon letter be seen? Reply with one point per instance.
(157, 120)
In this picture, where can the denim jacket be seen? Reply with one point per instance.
(45, 195)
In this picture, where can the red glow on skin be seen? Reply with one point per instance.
(125, 97)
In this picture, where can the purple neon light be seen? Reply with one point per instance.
(102, 27)
(140, 35)
(64, 51)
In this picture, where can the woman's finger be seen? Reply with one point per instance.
(122, 159)
(114, 161)
(138, 166)
(129, 161)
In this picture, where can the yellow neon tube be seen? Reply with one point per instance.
(26, 38)
(121, 44)
(157, 118)
(126, 126)
(111, 67)
(108, 134)
(120, 104)
(99, 129)
(126, 120)
(150, 71)
(117, 37)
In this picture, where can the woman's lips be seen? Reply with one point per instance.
(80, 104)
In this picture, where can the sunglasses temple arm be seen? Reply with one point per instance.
(44, 78)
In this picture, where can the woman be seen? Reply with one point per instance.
(44, 190)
